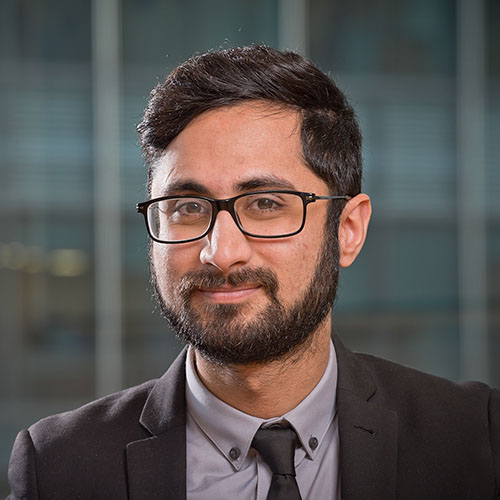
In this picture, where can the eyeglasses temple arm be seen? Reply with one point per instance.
(341, 197)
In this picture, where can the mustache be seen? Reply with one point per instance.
(212, 278)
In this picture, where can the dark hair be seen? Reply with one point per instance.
(331, 139)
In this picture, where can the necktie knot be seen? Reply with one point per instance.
(276, 445)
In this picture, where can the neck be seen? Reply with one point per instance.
(272, 389)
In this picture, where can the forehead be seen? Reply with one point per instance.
(230, 149)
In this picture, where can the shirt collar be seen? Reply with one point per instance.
(230, 429)
(312, 417)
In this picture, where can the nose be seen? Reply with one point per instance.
(225, 246)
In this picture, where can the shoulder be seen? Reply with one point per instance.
(120, 417)
(406, 390)
(65, 454)
(460, 415)
(408, 387)
(112, 418)
(84, 450)
(443, 437)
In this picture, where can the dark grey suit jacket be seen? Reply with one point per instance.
(403, 434)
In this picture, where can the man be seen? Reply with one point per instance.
(254, 202)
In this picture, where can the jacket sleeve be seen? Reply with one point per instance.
(22, 469)
(494, 419)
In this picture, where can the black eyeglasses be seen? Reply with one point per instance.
(260, 214)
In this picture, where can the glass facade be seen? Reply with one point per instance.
(424, 79)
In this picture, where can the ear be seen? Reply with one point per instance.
(353, 227)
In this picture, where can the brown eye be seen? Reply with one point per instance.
(190, 208)
(265, 204)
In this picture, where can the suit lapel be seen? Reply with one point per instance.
(156, 466)
(367, 433)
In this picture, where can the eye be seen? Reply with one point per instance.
(189, 208)
(265, 204)
(185, 210)
(265, 201)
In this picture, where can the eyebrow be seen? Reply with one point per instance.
(260, 182)
(185, 185)
(266, 181)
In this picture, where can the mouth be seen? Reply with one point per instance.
(228, 294)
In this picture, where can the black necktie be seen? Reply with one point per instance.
(277, 445)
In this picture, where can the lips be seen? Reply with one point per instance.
(212, 285)
(228, 294)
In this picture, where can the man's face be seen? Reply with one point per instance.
(235, 298)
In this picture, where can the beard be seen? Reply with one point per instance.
(224, 336)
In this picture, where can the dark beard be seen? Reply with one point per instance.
(220, 333)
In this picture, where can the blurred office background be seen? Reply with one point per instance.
(76, 317)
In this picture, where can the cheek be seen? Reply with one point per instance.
(172, 262)
(161, 257)
(294, 267)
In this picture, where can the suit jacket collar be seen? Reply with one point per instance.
(156, 466)
(367, 432)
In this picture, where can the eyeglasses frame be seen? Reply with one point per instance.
(227, 204)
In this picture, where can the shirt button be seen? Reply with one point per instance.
(234, 453)
(313, 443)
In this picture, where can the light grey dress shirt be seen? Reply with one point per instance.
(221, 463)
